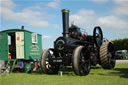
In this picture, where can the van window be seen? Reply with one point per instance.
(34, 38)
(9, 40)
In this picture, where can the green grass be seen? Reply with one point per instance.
(99, 76)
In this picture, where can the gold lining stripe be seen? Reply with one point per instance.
(65, 10)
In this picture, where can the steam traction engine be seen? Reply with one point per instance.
(78, 49)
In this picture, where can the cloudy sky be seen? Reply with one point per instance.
(44, 17)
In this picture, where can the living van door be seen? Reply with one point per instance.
(19, 45)
(3, 46)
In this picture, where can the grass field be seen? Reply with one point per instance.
(117, 76)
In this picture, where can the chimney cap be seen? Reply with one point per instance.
(22, 27)
(65, 10)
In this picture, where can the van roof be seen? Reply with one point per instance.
(10, 30)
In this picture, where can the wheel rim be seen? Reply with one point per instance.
(46, 66)
(107, 55)
(81, 61)
(49, 55)
(111, 55)
(84, 63)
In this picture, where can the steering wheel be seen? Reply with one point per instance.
(97, 36)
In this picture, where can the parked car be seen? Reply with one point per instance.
(121, 54)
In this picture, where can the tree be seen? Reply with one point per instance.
(121, 44)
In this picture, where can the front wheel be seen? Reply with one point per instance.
(81, 61)
(45, 64)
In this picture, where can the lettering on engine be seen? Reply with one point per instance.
(57, 61)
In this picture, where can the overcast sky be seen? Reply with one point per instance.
(44, 17)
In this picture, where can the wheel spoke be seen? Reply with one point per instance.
(84, 63)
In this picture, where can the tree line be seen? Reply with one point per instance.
(121, 44)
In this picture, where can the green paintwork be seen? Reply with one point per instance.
(31, 50)
(3, 46)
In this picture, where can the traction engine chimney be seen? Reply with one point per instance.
(65, 18)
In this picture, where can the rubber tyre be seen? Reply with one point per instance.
(107, 55)
(78, 68)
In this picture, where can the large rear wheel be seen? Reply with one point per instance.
(107, 55)
(45, 65)
(81, 61)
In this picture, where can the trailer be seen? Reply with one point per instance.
(20, 48)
